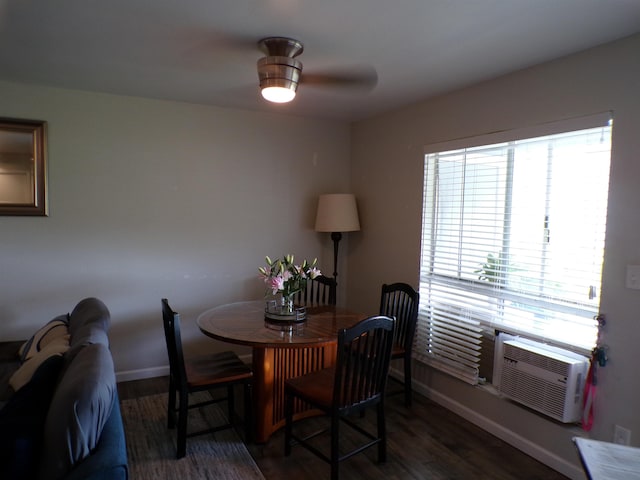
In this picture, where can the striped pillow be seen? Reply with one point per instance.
(54, 329)
(23, 375)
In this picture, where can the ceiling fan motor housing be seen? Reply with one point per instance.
(281, 47)
(277, 71)
(279, 68)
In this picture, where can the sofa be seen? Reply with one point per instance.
(59, 409)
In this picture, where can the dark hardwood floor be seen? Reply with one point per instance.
(424, 442)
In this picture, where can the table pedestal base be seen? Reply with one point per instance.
(275, 365)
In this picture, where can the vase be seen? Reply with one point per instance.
(282, 311)
(286, 302)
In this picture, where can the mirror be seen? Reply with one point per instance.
(22, 167)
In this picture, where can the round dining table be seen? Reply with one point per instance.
(280, 351)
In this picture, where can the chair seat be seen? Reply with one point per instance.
(315, 385)
(398, 351)
(218, 368)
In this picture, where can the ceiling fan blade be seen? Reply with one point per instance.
(234, 41)
(206, 50)
(363, 78)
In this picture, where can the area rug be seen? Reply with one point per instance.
(151, 447)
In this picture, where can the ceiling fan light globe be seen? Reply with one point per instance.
(278, 94)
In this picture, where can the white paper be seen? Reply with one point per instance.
(609, 461)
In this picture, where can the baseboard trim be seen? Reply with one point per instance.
(518, 441)
(141, 374)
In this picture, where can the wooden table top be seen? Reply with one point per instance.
(243, 323)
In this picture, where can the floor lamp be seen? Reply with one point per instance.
(337, 213)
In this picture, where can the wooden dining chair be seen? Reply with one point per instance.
(356, 382)
(400, 301)
(319, 291)
(191, 374)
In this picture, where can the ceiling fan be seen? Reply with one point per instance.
(280, 71)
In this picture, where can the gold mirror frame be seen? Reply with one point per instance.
(23, 178)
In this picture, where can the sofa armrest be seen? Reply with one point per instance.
(108, 461)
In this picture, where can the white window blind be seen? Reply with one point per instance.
(512, 239)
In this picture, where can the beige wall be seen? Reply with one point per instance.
(149, 199)
(387, 177)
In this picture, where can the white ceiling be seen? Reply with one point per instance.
(204, 51)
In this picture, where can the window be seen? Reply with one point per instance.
(513, 239)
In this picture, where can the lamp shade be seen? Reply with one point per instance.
(337, 212)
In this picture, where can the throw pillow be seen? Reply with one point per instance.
(22, 421)
(23, 374)
(53, 329)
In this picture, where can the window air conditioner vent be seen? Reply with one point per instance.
(544, 378)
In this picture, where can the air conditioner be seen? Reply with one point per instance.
(542, 377)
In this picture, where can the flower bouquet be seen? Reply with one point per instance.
(286, 278)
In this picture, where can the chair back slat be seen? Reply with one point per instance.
(319, 291)
(400, 301)
(171, 321)
(362, 366)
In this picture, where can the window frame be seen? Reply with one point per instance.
(477, 329)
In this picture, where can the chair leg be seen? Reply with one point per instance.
(288, 426)
(248, 416)
(231, 403)
(171, 405)
(382, 433)
(335, 452)
(408, 394)
(182, 424)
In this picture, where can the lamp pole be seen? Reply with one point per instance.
(336, 237)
